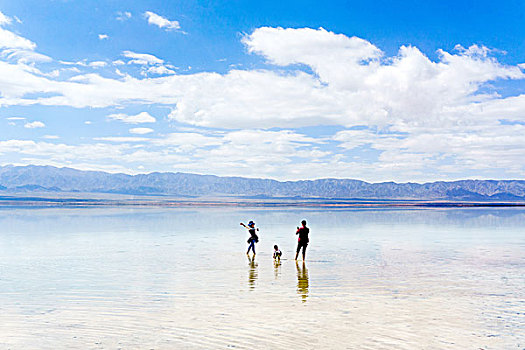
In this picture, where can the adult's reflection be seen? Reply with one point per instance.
(252, 273)
(302, 280)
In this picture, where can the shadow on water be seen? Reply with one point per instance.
(252, 273)
(302, 280)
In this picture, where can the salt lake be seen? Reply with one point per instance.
(179, 278)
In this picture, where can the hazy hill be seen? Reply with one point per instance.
(47, 178)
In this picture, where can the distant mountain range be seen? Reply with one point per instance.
(31, 179)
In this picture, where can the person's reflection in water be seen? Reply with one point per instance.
(302, 280)
(252, 274)
(277, 268)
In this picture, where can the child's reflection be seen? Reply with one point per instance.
(302, 280)
(252, 273)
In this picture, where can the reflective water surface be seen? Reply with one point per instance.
(153, 278)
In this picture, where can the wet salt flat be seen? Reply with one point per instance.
(154, 278)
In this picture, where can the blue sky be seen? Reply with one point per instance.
(379, 91)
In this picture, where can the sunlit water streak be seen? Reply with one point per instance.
(179, 278)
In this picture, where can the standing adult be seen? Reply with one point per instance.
(303, 239)
(253, 236)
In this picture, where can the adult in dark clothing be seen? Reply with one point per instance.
(303, 239)
(253, 236)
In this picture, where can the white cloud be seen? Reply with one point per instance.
(88, 122)
(420, 118)
(24, 56)
(261, 153)
(140, 131)
(188, 140)
(408, 89)
(51, 137)
(15, 118)
(82, 63)
(119, 73)
(103, 36)
(15, 47)
(336, 58)
(9, 40)
(70, 69)
(351, 139)
(160, 70)
(142, 117)
(120, 139)
(4, 19)
(122, 16)
(33, 125)
(53, 74)
(244, 153)
(160, 21)
(142, 58)
(98, 156)
(226, 153)
(483, 147)
(97, 64)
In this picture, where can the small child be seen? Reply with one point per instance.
(276, 253)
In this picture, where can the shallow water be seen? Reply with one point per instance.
(154, 278)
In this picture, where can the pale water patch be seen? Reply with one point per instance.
(180, 279)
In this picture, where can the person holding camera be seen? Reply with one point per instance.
(302, 241)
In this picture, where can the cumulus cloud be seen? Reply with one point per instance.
(335, 58)
(418, 117)
(354, 84)
(410, 89)
(142, 117)
(161, 22)
(103, 36)
(361, 88)
(34, 125)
